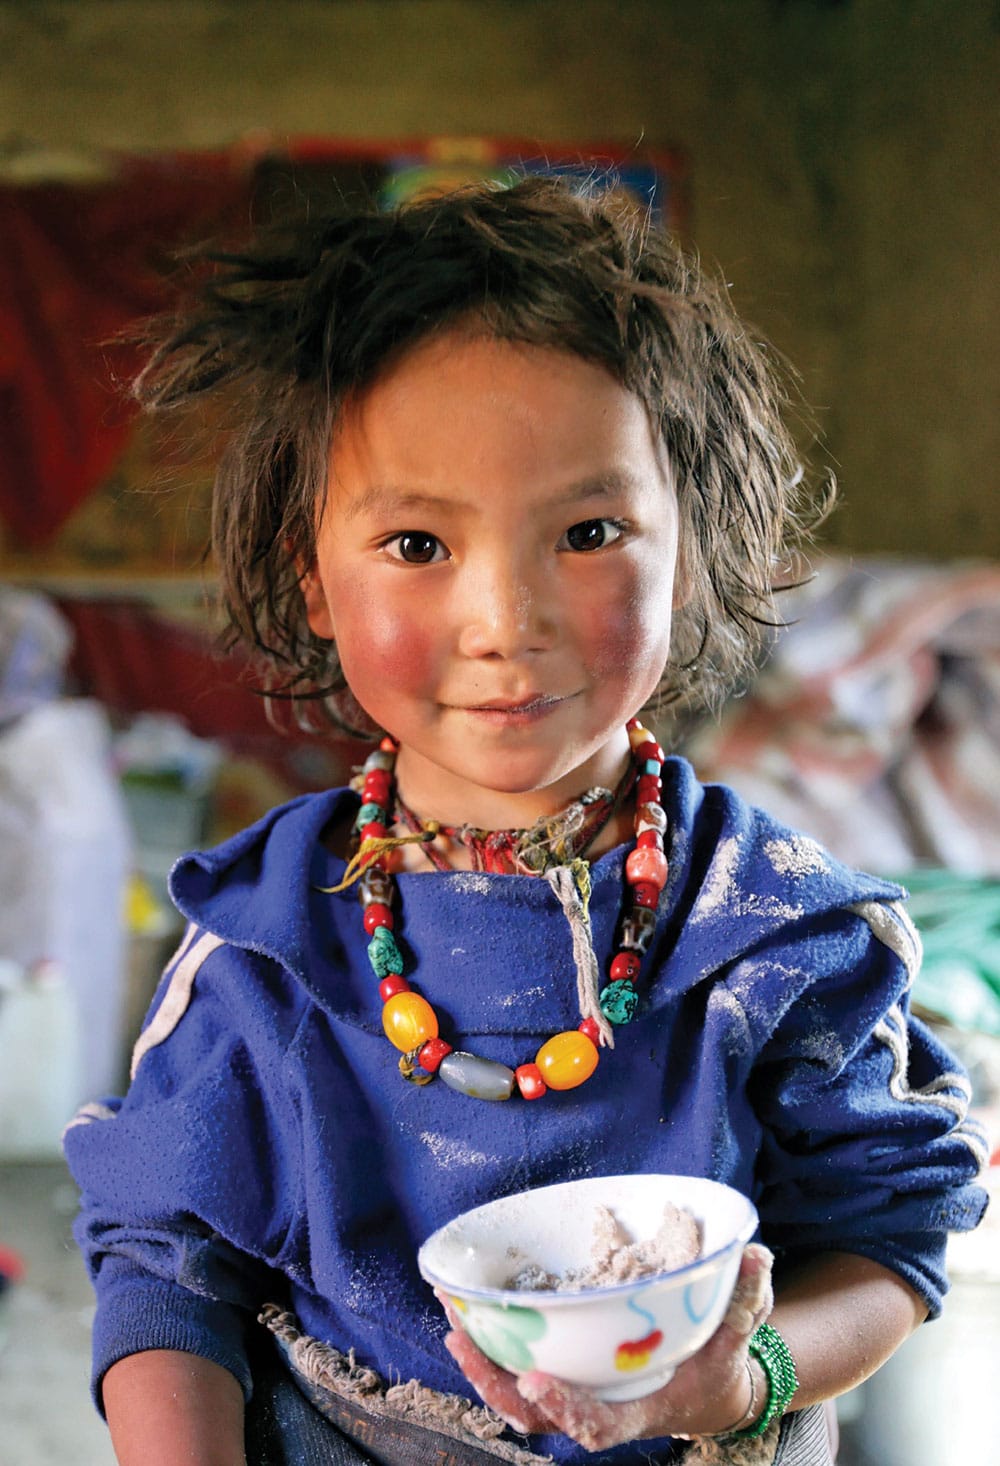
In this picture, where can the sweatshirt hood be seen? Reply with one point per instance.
(736, 879)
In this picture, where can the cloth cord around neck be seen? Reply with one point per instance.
(556, 839)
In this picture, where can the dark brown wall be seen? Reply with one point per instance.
(845, 158)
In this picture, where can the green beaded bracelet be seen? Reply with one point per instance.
(767, 1345)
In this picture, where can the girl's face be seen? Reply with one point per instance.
(495, 560)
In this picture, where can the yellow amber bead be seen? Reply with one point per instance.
(567, 1059)
(409, 1021)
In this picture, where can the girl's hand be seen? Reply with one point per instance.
(708, 1394)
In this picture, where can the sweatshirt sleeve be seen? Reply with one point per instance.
(867, 1145)
(138, 1311)
(189, 1185)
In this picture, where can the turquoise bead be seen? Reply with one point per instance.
(619, 1001)
(383, 954)
(479, 1078)
(651, 766)
(367, 813)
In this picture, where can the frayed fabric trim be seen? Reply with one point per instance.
(725, 1451)
(799, 1439)
(321, 1368)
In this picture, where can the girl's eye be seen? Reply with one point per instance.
(591, 534)
(416, 548)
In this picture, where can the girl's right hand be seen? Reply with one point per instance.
(708, 1394)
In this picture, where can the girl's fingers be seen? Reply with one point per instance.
(590, 1422)
(704, 1396)
(494, 1386)
(701, 1398)
(753, 1297)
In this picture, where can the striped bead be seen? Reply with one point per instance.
(651, 817)
(376, 885)
(638, 928)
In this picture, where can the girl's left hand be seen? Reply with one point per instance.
(708, 1393)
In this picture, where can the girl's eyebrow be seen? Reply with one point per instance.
(383, 499)
(388, 500)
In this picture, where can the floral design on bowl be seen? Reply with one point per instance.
(503, 1332)
(621, 1340)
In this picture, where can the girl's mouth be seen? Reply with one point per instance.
(525, 710)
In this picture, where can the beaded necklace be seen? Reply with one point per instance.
(553, 840)
(567, 1059)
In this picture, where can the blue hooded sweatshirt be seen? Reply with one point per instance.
(268, 1147)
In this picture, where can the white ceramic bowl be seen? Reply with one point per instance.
(621, 1341)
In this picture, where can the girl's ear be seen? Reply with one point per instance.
(318, 612)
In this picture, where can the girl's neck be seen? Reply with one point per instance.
(433, 793)
(450, 850)
(490, 811)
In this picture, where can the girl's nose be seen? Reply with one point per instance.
(505, 614)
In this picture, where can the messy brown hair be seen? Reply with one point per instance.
(284, 331)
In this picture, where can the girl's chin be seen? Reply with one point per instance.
(508, 791)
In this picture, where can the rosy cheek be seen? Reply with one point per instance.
(385, 655)
(629, 627)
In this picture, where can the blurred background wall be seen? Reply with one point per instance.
(843, 160)
(843, 153)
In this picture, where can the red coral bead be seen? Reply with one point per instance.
(376, 786)
(388, 744)
(590, 1028)
(530, 1081)
(625, 966)
(648, 789)
(433, 1051)
(649, 840)
(649, 750)
(373, 831)
(391, 985)
(645, 864)
(644, 893)
(377, 915)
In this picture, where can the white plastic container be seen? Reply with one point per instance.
(64, 860)
(39, 1061)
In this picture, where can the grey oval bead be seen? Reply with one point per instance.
(379, 760)
(480, 1078)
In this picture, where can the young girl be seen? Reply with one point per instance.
(502, 469)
